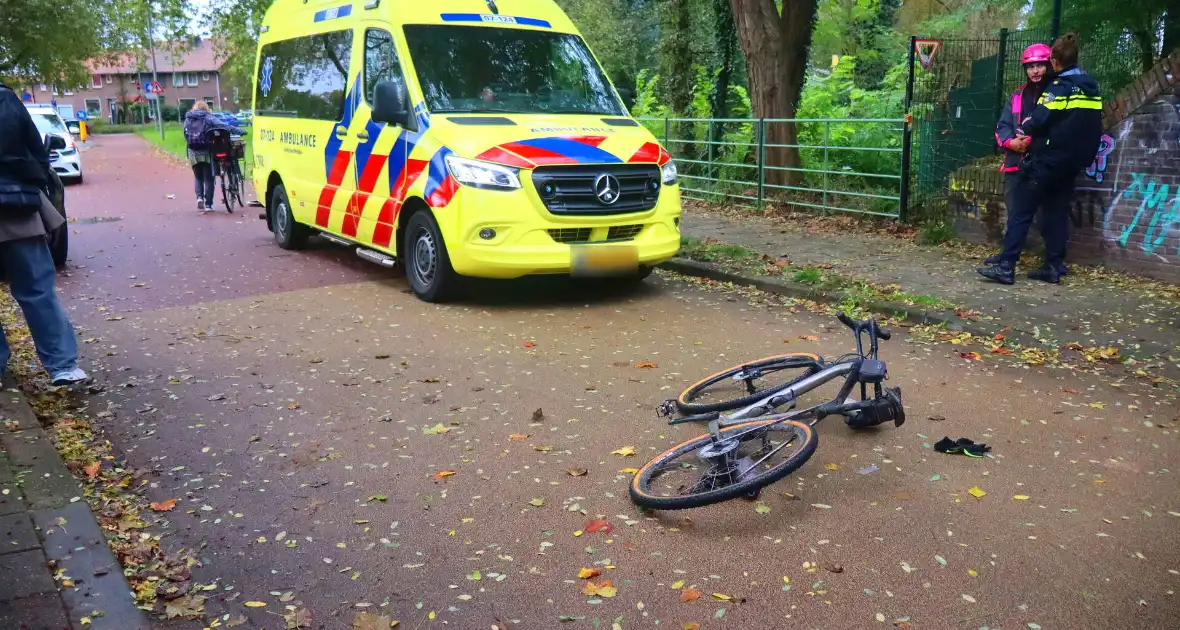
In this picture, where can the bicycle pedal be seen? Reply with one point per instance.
(666, 409)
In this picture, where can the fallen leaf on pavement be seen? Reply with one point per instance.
(626, 451)
(298, 618)
(976, 492)
(629, 471)
(605, 589)
(677, 585)
(970, 356)
(598, 525)
(576, 472)
(442, 474)
(723, 597)
(586, 574)
(689, 595)
(293, 406)
(256, 604)
(690, 625)
(92, 469)
(164, 506)
(647, 364)
(516, 437)
(435, 430)
(234, 622)
(1021, 497)
(832, 466)
(762, 508)
(542, 449)
(529, 344)
(1070, 390)
(537, 502)
(809, 337)
(377, 497)
(369, 621)
(937, 418)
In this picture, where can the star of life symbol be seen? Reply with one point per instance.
(268, 68)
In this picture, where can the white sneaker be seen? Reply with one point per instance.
(201, 205)
(70, 377)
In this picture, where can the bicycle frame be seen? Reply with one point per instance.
(841, 404)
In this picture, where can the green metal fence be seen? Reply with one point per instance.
(847, 164)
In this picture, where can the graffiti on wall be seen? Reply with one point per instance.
(1097, 169)
(1155, 220)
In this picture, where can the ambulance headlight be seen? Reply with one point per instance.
(483, 174)
(669, 174)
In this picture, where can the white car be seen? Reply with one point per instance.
(67, 162)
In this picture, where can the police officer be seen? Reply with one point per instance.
(1065, 128)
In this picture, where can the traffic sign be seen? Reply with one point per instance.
(80, 114)
(926, 49)
(157, 88)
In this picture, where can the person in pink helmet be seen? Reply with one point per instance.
(1009, 135)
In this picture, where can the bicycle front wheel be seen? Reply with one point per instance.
(746, 384)
(740, 460)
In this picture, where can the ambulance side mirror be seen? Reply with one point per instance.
(390, 105)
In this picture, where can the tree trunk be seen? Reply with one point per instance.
(776, 49)
(725, 37)
(1172, 28)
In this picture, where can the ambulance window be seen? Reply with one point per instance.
(380, 61)
(305, 77)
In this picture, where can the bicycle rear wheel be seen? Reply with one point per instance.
(226, 195)
(742, 459)
(746, 384)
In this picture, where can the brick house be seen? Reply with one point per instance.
(193, 75)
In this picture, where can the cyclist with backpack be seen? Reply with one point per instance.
(197, 124)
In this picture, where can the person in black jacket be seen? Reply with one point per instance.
(1065, 127)
(26, 216)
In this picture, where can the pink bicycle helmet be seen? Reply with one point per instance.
(1037, 53)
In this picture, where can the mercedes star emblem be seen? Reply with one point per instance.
(606, 188)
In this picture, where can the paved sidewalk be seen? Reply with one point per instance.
(56, 570)
(1090, 308)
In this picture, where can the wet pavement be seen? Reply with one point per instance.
(302, 405)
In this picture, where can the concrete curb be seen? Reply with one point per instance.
(779, 286)
(56, 532)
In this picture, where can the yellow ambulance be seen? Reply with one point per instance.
(458, 138)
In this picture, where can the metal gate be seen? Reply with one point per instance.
(956, 102)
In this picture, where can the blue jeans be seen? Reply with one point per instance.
(29, 267)
(203, 182)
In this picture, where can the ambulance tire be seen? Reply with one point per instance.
(427, 264)
(288, 233)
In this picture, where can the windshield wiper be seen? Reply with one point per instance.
(479, 110)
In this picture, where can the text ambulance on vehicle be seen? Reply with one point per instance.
(458, 137)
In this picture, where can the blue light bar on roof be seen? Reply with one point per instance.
(324, 15)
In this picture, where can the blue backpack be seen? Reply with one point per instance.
(195, 135)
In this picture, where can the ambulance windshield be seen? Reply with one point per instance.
(476, 69)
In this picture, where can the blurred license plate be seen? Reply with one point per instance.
(603, 260)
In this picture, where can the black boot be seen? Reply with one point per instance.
(1046, 274)
(1001, 272)
(994, 259)
(1062, 269)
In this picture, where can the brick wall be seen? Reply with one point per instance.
(1126, 212)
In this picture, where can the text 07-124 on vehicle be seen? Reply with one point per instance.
(461, 138)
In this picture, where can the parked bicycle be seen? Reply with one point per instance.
(741, 453)
(229, 152)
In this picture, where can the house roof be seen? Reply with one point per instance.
(200, 57)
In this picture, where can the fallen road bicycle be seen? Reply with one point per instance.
(734, 458)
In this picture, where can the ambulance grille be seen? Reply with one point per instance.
(570, 235)
(569, 190)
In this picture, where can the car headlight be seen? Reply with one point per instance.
(483, 174)
(67, 151)
(669, 173)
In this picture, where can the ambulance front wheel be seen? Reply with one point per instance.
(288, 233)
(427, 264)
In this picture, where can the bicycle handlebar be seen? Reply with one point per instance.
(882, 333)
